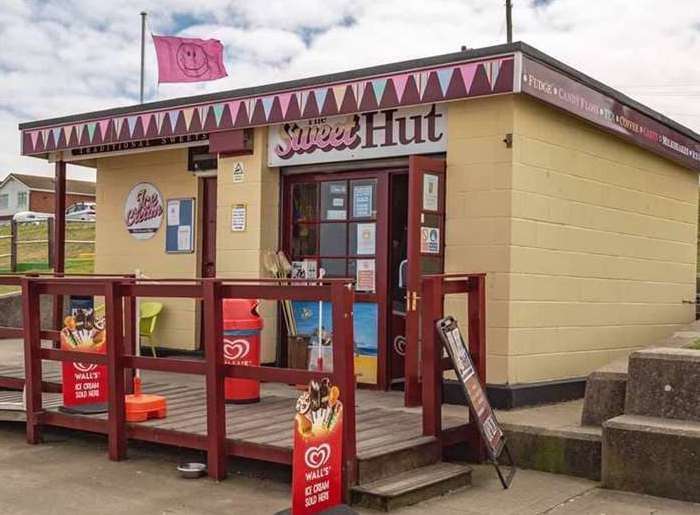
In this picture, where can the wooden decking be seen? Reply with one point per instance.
(383, 425)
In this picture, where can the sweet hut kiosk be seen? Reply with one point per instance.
(578, 202)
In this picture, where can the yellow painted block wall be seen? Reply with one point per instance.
(603, 246)
(478, 196)
(118, 252)
(240, 254)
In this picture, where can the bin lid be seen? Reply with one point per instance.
(241, 314)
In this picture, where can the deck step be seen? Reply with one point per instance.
(397, 457)
(412, 486)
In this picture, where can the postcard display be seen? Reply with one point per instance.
(480, 408)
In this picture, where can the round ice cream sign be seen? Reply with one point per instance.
(143, 211)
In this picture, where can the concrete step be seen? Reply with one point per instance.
(574, 451)
(663, 382)
(389, 460)
(653, 456)
(412, 486)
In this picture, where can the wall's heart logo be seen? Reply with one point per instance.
(314, 457)
(400, 345)
(84, 367)
(236, 349)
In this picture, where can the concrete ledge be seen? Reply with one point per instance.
(664, 382)
(574, 453)
(653, 456)
(11, 310)
(605, 394)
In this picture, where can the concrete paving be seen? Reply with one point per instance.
(71, 474)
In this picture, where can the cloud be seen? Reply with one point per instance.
(70, 56)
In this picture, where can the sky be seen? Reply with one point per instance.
(60, 57)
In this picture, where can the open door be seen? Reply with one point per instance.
(425, 242)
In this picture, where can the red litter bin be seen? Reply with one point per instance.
(242, 327)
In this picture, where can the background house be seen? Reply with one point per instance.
(22, 192)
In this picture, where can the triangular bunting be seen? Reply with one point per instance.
(378, 85)
(233, 108)
(320, 94)
(146, 121)
(33, 137)
(339, 94)
(267, 106)
(202, 110)
(492, 70)
(187, 115)
(422, 81)
(468, 71)
(91, 131)
(284, 99)
(118, 122)
(302, 97)
(104, 127)
(56, 135)
(400, 85)
(218, 112)
(131, 121)
(444, 76)
(172, 116)
(79, 131)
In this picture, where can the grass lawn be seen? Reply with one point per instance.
(80, 257)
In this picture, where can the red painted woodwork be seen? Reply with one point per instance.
(418, 168)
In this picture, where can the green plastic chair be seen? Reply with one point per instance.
(148, 316)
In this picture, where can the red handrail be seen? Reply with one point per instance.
(120, 294)
(433, 291)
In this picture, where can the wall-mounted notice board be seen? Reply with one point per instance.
(179, 231)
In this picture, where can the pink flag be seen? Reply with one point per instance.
(189, 59)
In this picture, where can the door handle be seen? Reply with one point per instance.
(412, 299)
(414, 303)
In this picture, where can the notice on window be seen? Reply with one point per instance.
(173, 212)
(429, 240)
(336, 214)
(430, 192)
(366, 274)
(238, 218)
(362, 201)
(366, 237)
(184, 238)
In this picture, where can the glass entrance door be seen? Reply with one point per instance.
(337, 223)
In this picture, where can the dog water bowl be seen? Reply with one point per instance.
(192, 470)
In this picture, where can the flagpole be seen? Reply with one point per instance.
(143, 48)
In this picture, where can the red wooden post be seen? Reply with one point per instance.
(116, 421)
(343, 297)
(130, 342)
(59, 238)
(431, 356)
(31, 325)
(214, 355)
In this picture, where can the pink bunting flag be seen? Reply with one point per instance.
(189, 59)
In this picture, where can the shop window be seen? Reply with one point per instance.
(333, 223)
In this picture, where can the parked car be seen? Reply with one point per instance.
(84, 211)
(31, 216)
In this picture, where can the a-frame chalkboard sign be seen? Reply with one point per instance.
(479, 405)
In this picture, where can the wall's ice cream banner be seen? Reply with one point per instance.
(84, 383)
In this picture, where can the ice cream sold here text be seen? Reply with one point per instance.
(573, 199)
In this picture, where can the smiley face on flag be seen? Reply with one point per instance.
(189, 59)
(192, 59)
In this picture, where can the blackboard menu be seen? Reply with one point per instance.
(466, 372)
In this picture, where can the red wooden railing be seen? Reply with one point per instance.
(434, 288)
(120, 295)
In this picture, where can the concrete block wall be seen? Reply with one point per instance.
(118, 252)
(240, 254)
(603, 246)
